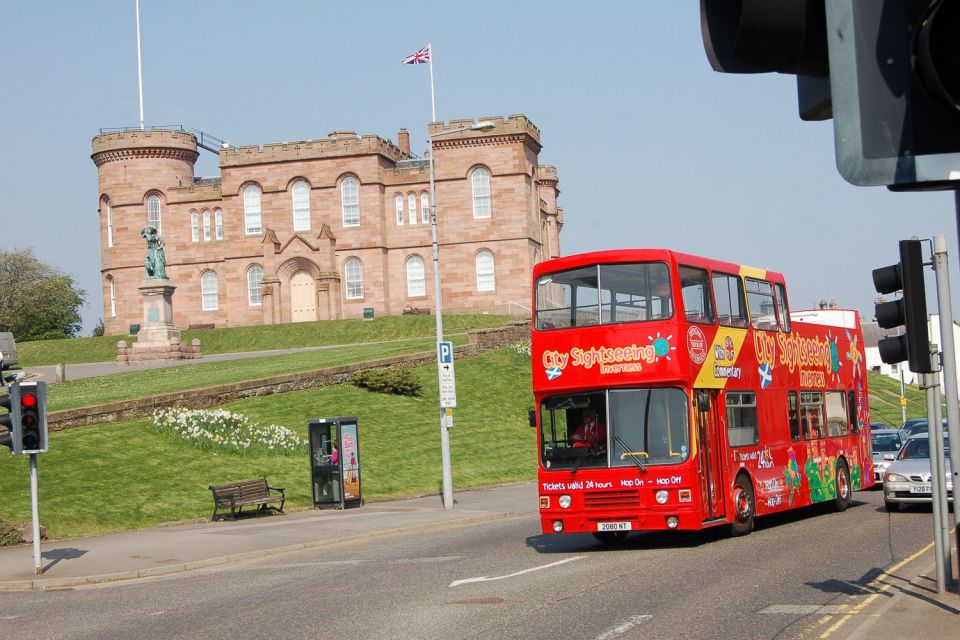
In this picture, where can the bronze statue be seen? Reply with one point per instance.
(155, 261)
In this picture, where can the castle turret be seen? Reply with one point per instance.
(136, 170)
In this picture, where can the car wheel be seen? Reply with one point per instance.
(744, 507)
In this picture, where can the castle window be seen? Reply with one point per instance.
(153, 212)
(416, 285)
(218, 223)
(254, 278)
(251, 209)
(301, 206)
(113, 296)
(399, 202)
(194, 226)
(424, 207)
(412, 208)
(206, 226)
(106, 204)
(353, 275)
(210, 296)
(486, 280)
(481, 192)
(350, 201)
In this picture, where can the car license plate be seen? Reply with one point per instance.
(921, 488)
(614, 526)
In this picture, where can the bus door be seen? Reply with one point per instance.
(709, 443)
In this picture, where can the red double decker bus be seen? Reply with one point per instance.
(679, 392)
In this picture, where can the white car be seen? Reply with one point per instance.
(885, 444)
(908, 479)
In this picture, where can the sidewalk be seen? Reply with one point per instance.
(900, 604)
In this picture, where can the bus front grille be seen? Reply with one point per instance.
(610, 499)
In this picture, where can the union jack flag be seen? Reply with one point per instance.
(419, 57)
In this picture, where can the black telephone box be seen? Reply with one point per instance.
(335, 462)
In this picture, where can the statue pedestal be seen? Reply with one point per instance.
(158, 338)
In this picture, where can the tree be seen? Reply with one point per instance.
(37, 301)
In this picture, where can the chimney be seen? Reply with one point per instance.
(403, 141)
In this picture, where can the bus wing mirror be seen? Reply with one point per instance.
(532, 416)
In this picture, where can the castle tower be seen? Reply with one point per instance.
(136, 170)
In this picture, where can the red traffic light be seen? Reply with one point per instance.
(28, 400)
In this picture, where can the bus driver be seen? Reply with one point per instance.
(591, 433)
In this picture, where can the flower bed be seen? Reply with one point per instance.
(227, 431)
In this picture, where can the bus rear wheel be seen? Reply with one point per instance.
(610, 537)
(744, 507)
(844, 489)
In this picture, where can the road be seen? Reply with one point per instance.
(503, 579)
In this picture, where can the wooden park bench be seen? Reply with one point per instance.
(237, 495)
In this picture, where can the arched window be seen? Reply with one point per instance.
(353, 276)
(254, 278)
(486, 280)
(398, 199)
(106, 205)
(481, 192)
(218, 223)
(194, 226)
(209, 293)
(350, 199)
(113, 296)
(415, 278)
(412, 208)
(153, 212)
(251, 209)
(425, 207)
(206, 226)
(301, 206)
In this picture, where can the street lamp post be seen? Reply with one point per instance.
(446, 412)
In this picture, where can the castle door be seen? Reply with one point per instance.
(303, 297)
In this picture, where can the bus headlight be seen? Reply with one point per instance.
(662, 496)
(564, 501)
(673, 522)
(557, 526)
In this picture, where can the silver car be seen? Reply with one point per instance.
(885, 444)
(907, 479)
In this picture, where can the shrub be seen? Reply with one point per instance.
(402, 382)
(220, 429)
(9, 534)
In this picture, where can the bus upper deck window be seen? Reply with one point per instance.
(695, 290)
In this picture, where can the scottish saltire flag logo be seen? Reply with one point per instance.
(420, 57)
(766, 375)
(554, 372)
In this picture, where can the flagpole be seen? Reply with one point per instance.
(433, 100)
(140, 69)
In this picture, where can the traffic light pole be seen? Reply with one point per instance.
(938, 489)
(940, 267)
(35, 510)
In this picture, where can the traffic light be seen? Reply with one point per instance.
(910, 311)
(886, 71)
(26, 417)
(760, 36)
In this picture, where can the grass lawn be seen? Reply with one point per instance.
(262, 337)
(136, 384)
(885, 401)
(124, 476)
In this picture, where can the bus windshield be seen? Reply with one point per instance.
(604, 294)
(616, 428)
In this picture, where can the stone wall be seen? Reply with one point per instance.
(480, 342)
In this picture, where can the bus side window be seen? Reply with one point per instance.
(793, 415)
(731, 303)
(783, 309)
(695, 290)
(811, 414)
(854, 414)
(837, 416)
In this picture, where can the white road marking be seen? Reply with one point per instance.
(804, 609)
(9, 617)
(621, 629)
(513, 575)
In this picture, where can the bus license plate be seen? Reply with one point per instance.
(921, 488)
(614, 526)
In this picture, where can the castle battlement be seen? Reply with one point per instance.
(547, 173)
(144, 143)
(517, 124)
(338, 144)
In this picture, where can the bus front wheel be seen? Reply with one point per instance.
(744, 507)
(844, 489)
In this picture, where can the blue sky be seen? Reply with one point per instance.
(653, 148)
